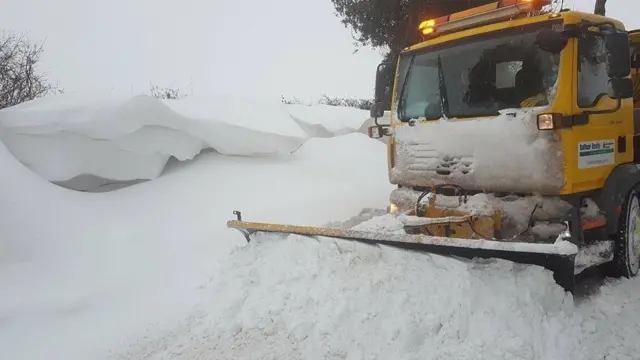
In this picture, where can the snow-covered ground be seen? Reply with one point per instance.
(150, 271)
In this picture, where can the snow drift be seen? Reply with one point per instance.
(131, 138)
(90, 143)
(326, 120)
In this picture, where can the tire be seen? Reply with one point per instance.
(626, 261)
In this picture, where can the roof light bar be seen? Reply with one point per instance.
(481, 15)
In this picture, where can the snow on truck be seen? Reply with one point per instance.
(513, 135)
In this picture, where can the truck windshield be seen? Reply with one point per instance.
(477, 76)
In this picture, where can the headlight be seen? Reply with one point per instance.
(549, 121)
(392, 209)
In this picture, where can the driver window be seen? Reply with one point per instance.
(423, 94)
(593, 80)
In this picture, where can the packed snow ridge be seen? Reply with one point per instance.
(88, 142)
(300, 298)
(297, 298)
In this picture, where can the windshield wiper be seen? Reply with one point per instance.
(402, 101)
(444, 103)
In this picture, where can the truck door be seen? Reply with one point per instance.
(602, 140)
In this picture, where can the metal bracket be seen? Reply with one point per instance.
(575, 221)
(246, 233)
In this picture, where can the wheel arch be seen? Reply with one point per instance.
(621, 181)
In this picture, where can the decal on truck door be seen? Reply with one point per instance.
(596, 153)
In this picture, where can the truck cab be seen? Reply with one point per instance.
(505, 98)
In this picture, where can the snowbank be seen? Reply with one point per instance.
(130, 138)
(90, 142)
(82, 273)
(326, 120)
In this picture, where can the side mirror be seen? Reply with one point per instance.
(618, 54)
(383, 71)
(377, 110)
(551, 41)
(621, 88)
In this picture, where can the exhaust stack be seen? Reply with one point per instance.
(600, 8)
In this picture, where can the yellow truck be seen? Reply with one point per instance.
(513, 135)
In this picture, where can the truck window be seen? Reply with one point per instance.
(593, 80)
(474, 77)
(422, 92)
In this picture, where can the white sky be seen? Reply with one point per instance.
(289, 47)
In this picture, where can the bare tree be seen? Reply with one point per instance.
(19, 81)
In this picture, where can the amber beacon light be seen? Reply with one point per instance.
(485, 14)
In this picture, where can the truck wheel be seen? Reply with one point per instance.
(626, 260)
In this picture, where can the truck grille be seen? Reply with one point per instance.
(425, 158)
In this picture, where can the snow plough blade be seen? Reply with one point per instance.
(559, 258)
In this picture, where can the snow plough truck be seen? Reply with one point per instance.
(513, 133)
